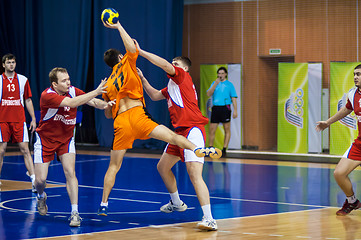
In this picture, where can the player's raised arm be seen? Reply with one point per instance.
(82, 99)
(127, 40)
(156, 60)
(153, 93)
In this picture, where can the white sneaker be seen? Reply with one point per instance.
(75, 219)
(207, 224)
(169, 207)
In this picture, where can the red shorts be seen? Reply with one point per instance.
(18, 131)
(132, 124)
(194, 134)
(45, 149)
(354, 151)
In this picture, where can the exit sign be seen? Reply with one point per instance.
(275, 51)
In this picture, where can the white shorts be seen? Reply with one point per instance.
(194, 134)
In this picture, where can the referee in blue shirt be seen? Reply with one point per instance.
(223, 95)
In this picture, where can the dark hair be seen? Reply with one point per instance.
(222, 68)
(53, 75)
(8, 57)
(186, 61)
(358, 67)
(111, 57)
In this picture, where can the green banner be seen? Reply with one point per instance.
(343, 132)
(208, 74)
(292, 131)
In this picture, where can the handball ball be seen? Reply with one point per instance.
(110, 15)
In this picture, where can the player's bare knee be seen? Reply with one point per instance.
(195, 179)
(160, 168)
(69, 174)
(25, 150)
(40, 181)
(2, 153)
(338, 174)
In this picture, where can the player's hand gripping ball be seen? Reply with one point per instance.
(110, 16)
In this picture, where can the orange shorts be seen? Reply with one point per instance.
(135, 123)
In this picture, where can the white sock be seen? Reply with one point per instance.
(74, 208)
(32, 177)
(104, 204)
(175, 198)
(207, 211)
(351, 199)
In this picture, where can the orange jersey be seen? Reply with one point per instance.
(124, 82)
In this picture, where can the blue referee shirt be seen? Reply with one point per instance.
(223, 93)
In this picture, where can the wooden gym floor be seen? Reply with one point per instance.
(253, 198)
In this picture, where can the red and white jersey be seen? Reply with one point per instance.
(57, 123)
(354, 103)
(13, 93)
(183, 101)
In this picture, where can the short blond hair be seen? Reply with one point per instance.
(53, 75)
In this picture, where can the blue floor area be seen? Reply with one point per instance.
(237, 190)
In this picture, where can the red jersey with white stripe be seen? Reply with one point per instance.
(354, 103)
(183, 101)
(13, 93)
(57, 123)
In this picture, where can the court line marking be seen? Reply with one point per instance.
(285, 154)
(213, 197)
(176, 225)
(134, 200)
(192, 222)
(2, 205)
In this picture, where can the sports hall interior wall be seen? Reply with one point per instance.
(244, 31)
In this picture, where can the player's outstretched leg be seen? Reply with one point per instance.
(208, 152)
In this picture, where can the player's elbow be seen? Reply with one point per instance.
(131, 48)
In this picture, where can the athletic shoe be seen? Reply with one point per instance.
(75, 219)
(348, 207)
(41, 205)
(208, 152)
(103, 211)
(207, 224)
(169, 207)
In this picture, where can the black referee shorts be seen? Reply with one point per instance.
(221, 114)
